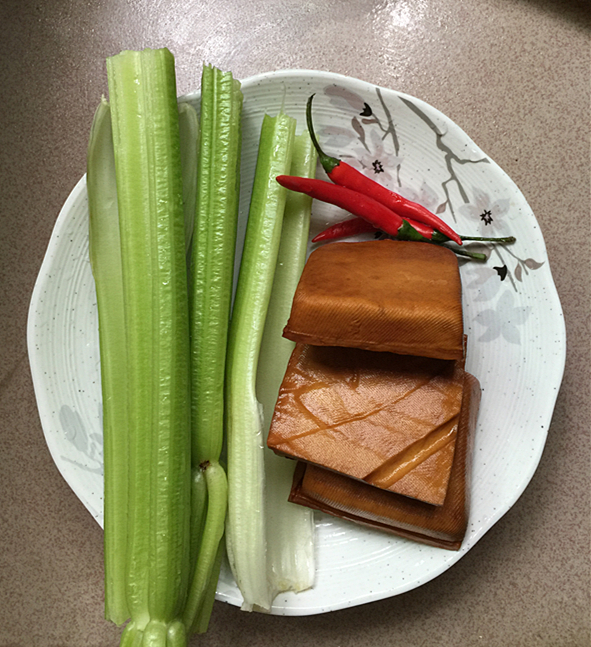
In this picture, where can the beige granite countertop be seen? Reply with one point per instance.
(515, 75)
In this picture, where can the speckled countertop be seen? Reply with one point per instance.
(515, 75)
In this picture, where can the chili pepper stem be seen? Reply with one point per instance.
(328, 163)
(477, 256)
(501, 241)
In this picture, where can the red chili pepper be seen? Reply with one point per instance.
(356, 226)
(345, 175)
(428, 232)
(351, 227)
(358, 204)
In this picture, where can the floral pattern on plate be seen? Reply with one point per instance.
(375, 147)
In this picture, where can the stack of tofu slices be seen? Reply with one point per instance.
(375, 405)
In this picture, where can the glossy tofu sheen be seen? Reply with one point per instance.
(389, 420)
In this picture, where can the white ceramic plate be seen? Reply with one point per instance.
(512, 316)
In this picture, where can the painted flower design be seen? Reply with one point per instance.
(375, 160)
(504, 320)
(426, 196)
(87, 445)
(335, 139)
(488, 214)
(483, 280)
(344, 98)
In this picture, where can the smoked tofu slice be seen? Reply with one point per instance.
(383, 295)
(389, 420)
(442, 526)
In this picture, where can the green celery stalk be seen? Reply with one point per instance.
(212, 271)
(290, 538)
(245, 530)
(206, 572)
(144, 115)
(198, 514)
(105, 260)
(203, 615)
(189, 137)
(212, 256)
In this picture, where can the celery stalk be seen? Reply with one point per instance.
(201, 622)
(105, 259)
(144, 116)
(212, 256)
(290, 538)
(198, 514)
(189, 137)
(217, 497)
(212, 270)
(245, 532)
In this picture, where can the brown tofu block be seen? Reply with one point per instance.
(389, 420)
(395, 296)
(442, 526)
